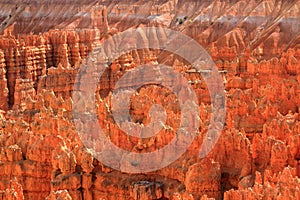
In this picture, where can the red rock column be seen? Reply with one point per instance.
(59, 41)
(99, 18)
(3, 84)
(40, 58)
(11, 74)
(74, 52)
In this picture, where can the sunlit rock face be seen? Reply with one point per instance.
(255, 46)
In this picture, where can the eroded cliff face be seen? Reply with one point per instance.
(255, 47)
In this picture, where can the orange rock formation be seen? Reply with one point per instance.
(255, 45)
